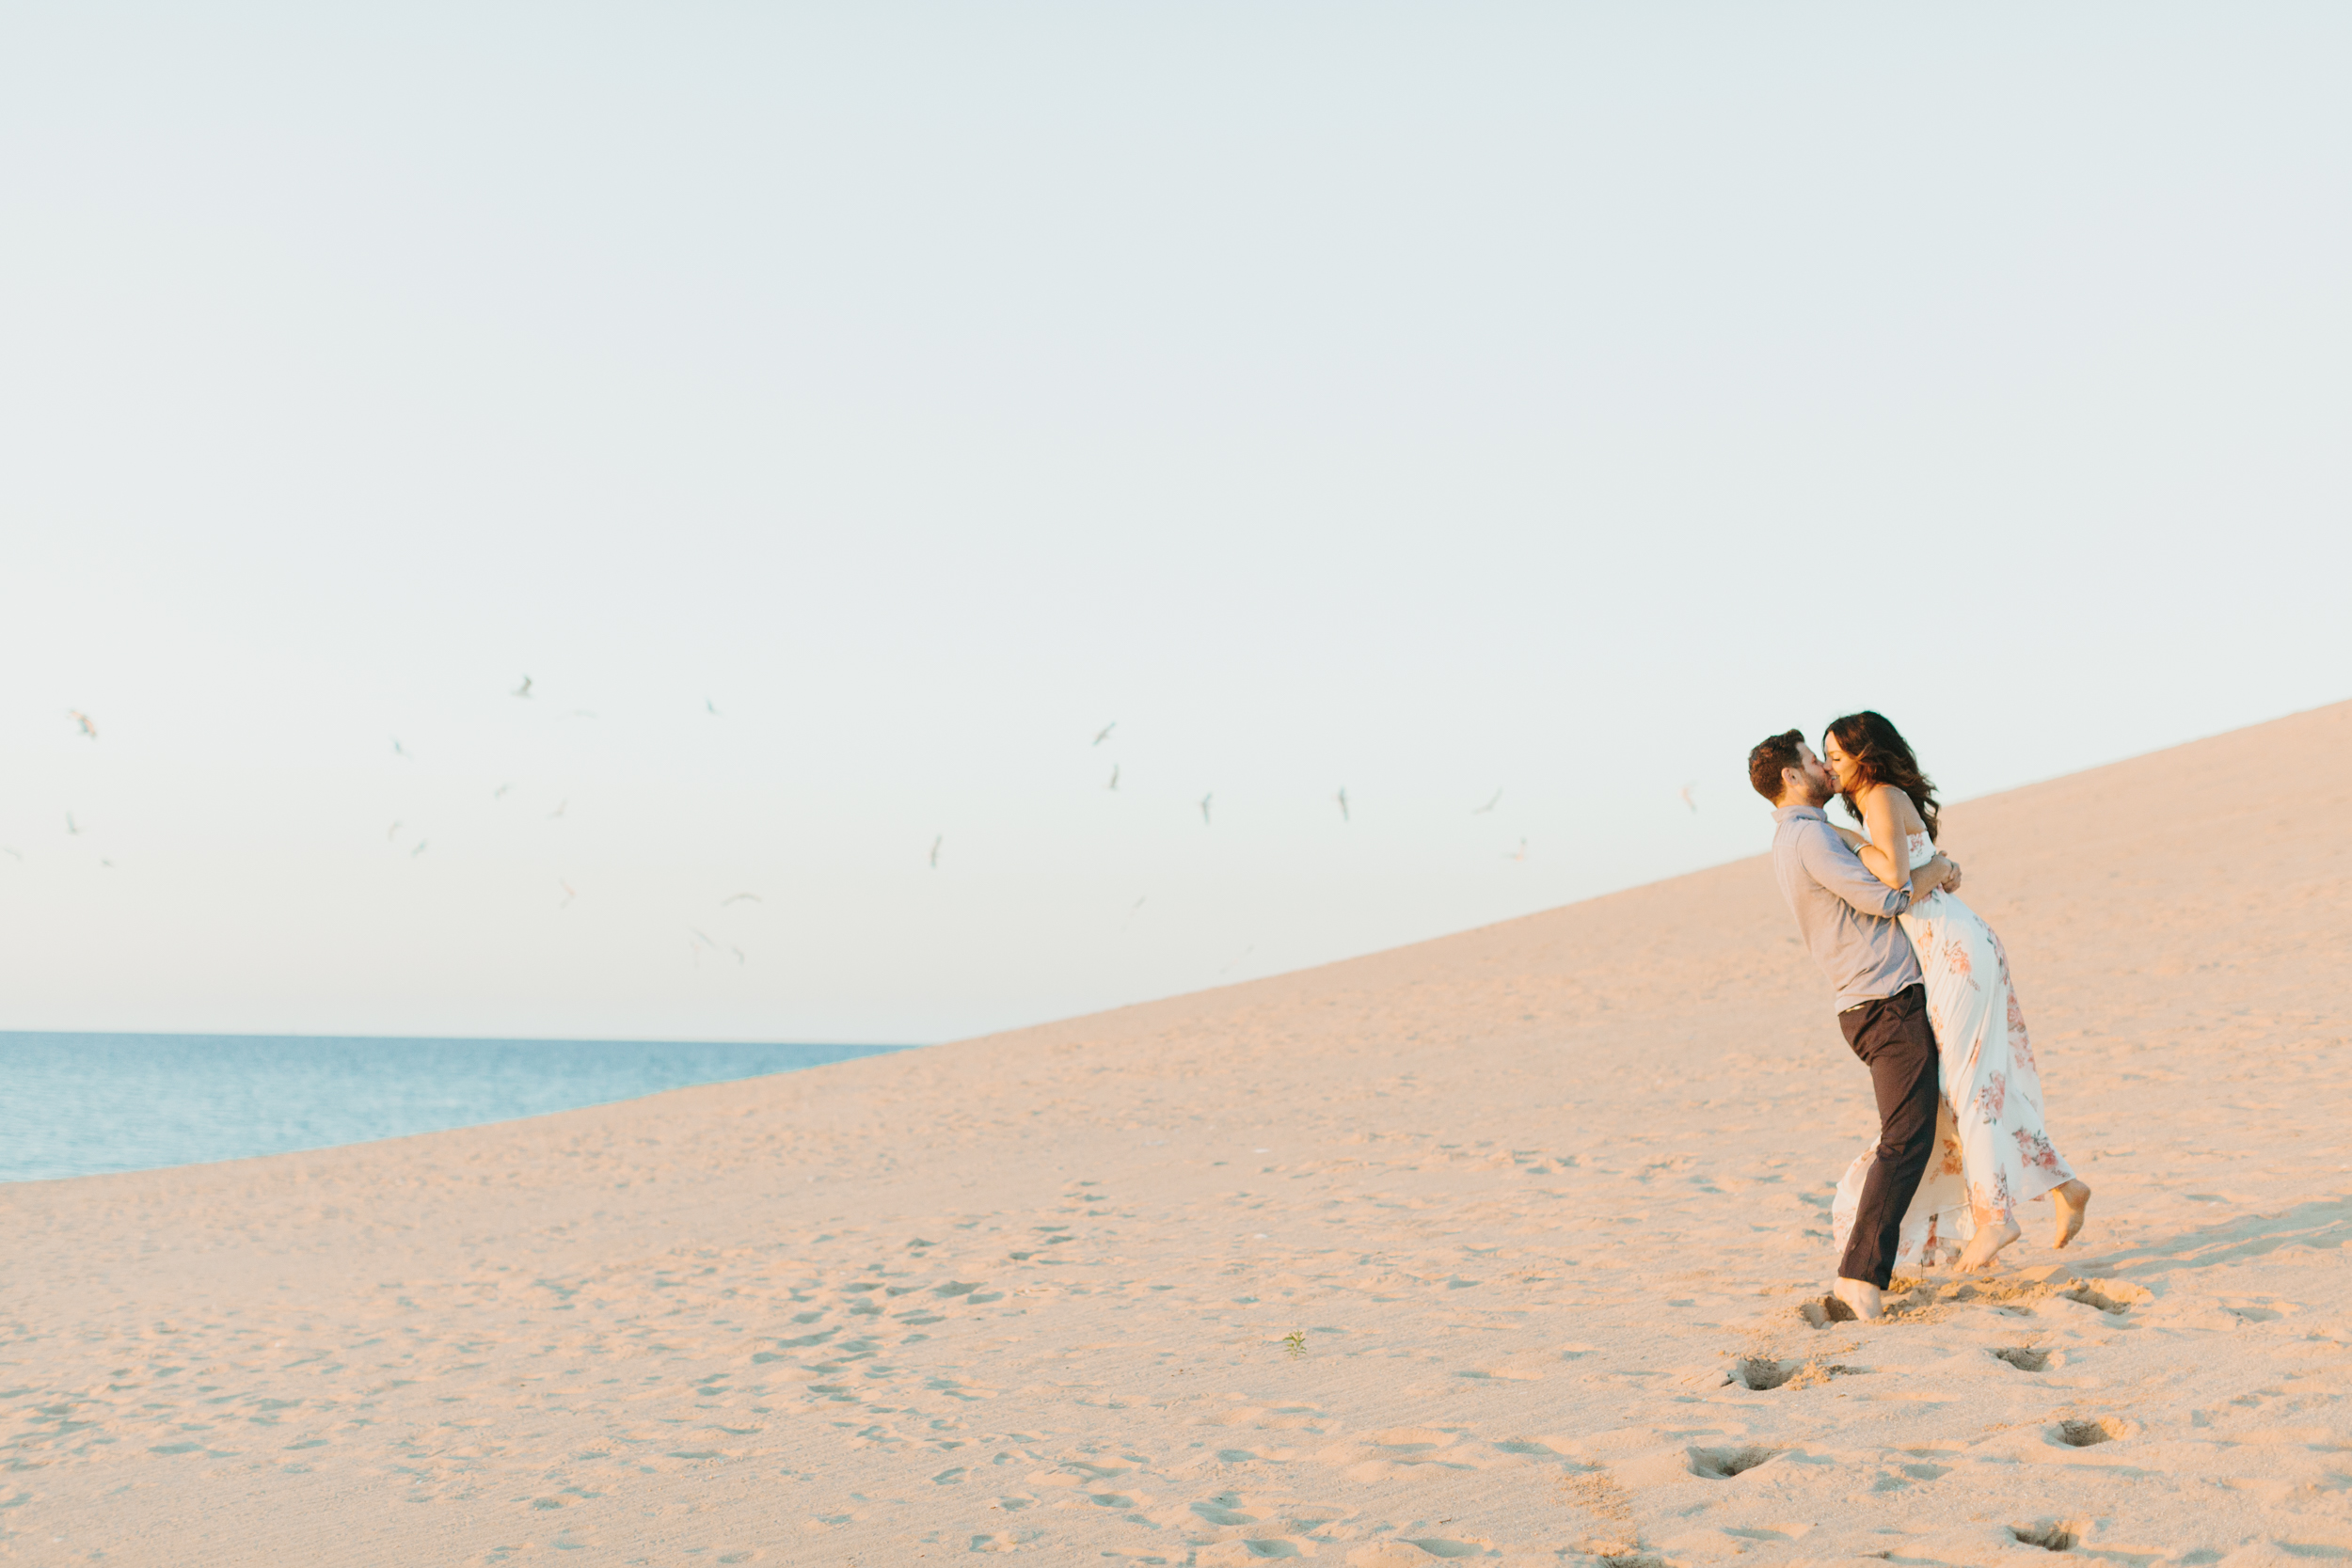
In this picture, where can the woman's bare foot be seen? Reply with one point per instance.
(1988, 1242)
(1862, 1296)
(2070, 1200)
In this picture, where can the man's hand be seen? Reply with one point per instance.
(1951, 883)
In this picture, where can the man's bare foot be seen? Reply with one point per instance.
(1988, 1242)
(1862, 1296)
(2070, 1200)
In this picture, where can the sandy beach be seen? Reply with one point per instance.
(1493, 1249)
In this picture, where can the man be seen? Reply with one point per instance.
(1847, 916)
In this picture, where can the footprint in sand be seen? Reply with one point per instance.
(1761, 1373)
(2089, 1433)
(1723, 1464)
(1756, 1373)
(2108, 1295)
(2050, 1535)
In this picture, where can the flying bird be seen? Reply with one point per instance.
(739, 954)
(500, 792)
(558, 811)
(83, 719)
(419, 850)
(1488, 806)
(1519, 854)
(1104, 733)
(1204, 807)
(711, 707)
(1685, 795)
(568, 894)
(1342, 799)
(71, 826)
(524, 689)
(1131, 912)
(1113, 783)
(400, 751)
(737, 897)
(935, 844)
(12, 854)
(391, 832)
(1238, 956)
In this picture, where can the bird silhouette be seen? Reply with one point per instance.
(560, 810)
(524, 689)
(499, 793)
(419, 850)
(83, 719)
(935, 844)
(1519, 854)
(1342, 799)
(12, 854)
(400, 751)
(72, 826)
(1204, 807)
(1686, 795)
(1113, 783)
(1488, 806)
(711, 707)
(568, 894)
(1104, 733)
(737, 897)
(391, 832)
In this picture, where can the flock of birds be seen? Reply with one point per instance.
(1688, 795)
(699, 942)
(1339, 797)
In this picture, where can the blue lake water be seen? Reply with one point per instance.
(76, 1104)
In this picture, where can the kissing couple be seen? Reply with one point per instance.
(1926, 1003)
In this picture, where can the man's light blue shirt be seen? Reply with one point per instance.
(1845, 914)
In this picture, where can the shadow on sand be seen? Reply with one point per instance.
(2322, 1222)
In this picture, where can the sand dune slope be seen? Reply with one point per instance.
(1535, 1207)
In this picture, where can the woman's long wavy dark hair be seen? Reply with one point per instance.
(1882, 756)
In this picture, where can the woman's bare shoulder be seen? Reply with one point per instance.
(1888, 797)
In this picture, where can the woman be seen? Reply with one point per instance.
(1993, 1153)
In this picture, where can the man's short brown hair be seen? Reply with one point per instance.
(1769, 757)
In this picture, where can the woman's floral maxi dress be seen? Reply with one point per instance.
(1992, 1151)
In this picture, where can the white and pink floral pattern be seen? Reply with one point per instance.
(1991, 1111)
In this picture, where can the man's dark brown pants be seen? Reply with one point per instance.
(1894, 1040)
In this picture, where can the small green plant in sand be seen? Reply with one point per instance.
(1295, 1344)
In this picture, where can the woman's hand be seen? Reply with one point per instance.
(1930, 879)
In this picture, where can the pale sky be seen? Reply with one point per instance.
(1418, 401)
